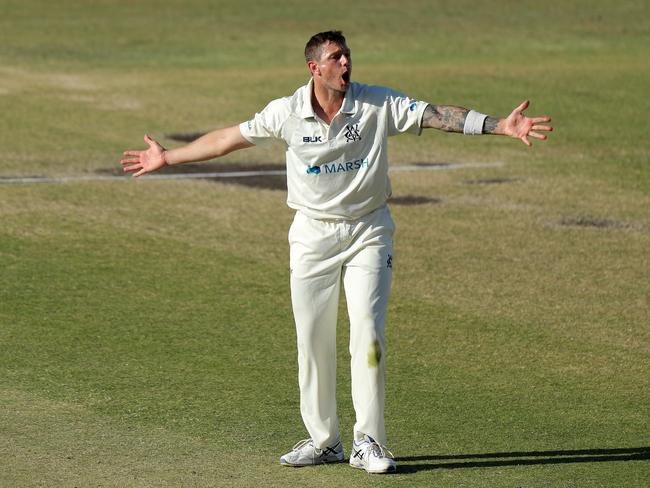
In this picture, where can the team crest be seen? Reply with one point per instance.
(352, 133)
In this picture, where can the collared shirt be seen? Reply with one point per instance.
(340, 170)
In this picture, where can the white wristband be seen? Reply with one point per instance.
(474, 123)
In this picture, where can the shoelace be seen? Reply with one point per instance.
(379, 450)
(300, 444)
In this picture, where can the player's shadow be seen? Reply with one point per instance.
(413, 464)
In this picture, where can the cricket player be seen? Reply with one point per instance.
(335, 133)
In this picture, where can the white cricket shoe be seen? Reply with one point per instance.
(304, 453)
(370, 455)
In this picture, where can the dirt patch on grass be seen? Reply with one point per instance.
(590, 222)
(491, 181)
(213, 170)
(184, 136)
(411, 200)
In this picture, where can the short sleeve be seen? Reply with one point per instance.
(404, 114)
(267, 124)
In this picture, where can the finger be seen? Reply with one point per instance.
(537, 136)
(130, 160)
(526, 141)
(546, 128)
(537, 120)
(141, 172)
(132, 167)
(523, 106)
(132, 153)
(149, 140)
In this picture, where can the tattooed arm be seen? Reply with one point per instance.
(451, 118)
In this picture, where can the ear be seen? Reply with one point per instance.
(313, 67)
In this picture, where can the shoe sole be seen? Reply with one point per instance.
(289, 465)
(386, 471)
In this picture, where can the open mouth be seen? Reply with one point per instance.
(346, 77)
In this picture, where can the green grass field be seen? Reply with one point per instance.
(145, 327)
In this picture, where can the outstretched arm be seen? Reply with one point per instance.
(212, 145)
(451, 118)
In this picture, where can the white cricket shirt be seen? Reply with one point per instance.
(337, 171)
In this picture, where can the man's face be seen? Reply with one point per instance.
(334, 68)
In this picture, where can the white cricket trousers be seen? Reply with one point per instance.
(358, 253)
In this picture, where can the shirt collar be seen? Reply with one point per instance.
(349, 102)
(307, 111)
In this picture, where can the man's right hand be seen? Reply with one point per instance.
(145, 161)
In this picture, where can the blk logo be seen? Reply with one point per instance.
(313, 170)
(352, 133)
(308, 139)
(389, 261)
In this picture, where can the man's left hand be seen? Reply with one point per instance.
(519, 126)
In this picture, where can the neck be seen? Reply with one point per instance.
(325, 102)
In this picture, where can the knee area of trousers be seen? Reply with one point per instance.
(373, 353)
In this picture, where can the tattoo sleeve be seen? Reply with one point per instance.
(490, 125)
(449, 118)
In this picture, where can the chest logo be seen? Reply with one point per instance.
(329, 168)
(307, 139)
(352, 133)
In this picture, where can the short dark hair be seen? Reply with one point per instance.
(313, 47)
